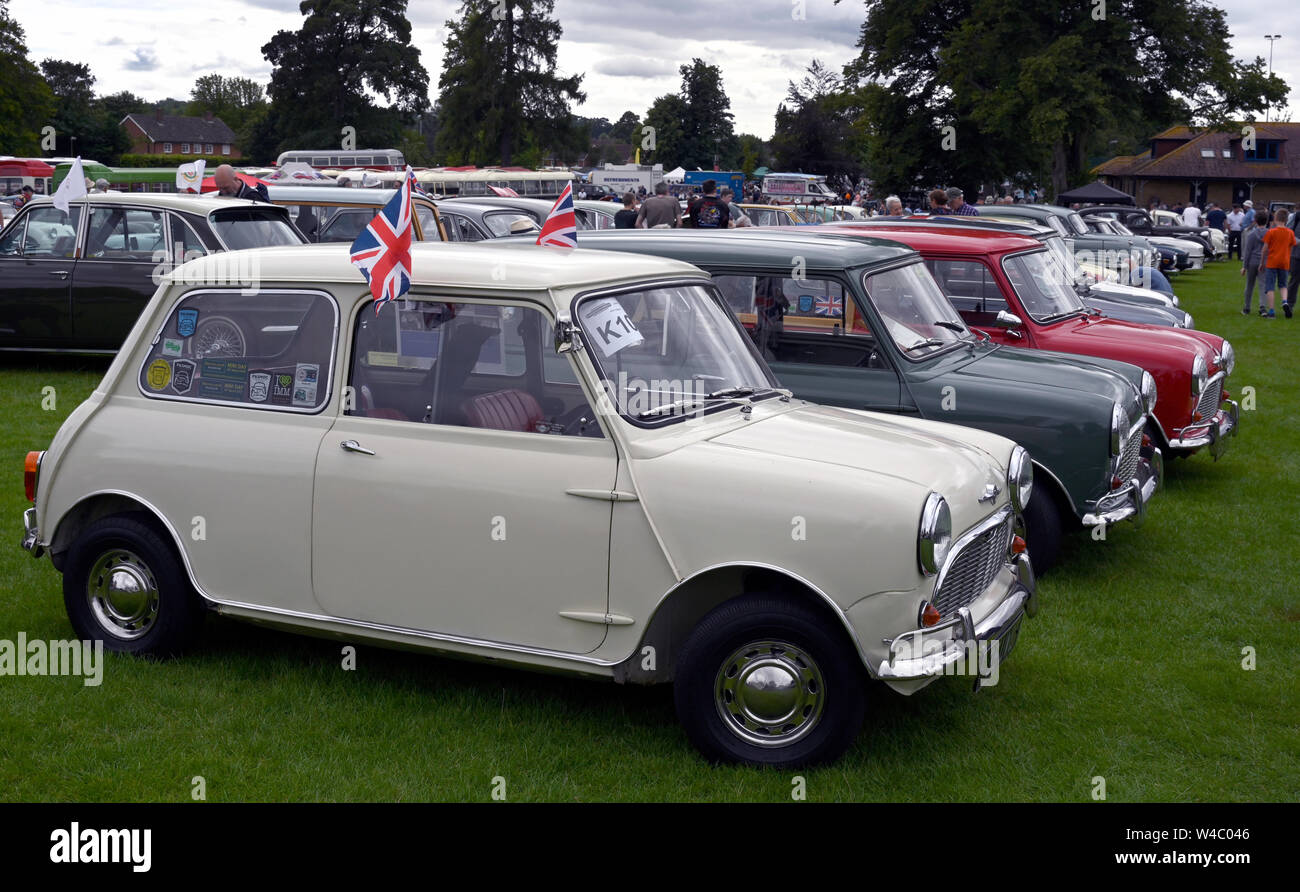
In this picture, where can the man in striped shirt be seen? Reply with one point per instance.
(958, 205)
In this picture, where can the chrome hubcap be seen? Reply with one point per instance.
(122, 594)
(769, 693)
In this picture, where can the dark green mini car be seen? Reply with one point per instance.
(860, 323)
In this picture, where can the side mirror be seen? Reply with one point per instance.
(1008, 320)
(567, 337)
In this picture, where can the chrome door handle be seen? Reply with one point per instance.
(61, 273)
(354, 446)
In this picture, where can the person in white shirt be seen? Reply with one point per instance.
(1191, 215)
(1234, 223)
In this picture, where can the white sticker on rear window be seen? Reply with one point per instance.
(606, 325)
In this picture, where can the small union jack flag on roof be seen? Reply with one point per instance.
(383, 249)
(561, 226)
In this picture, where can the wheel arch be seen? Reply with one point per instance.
(108, 503)
(682, 607)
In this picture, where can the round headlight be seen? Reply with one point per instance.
(1148, 392)
(1118, 426)
(1199, 375)
(1228, 358)
(934, 537)
(1020, 477)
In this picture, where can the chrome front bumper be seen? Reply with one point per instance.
(1129, 502)
(31, 535)
(1214, 435)
(936, 651)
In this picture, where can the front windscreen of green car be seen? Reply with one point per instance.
(919, 319)
(1043, 289)
(667, 352)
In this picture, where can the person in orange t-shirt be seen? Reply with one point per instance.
(1276, 261)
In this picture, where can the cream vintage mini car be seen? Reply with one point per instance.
(563, 460)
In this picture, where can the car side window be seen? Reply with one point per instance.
(51, 233)
(269, 349)
(970, 287)
(808, 321)
(117, 233)
(185, 240)
(428, 223)
(346, 225)
(11, 243)
(466, 365)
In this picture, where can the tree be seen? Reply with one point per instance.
(814, 127)
(324, 73)
(232, 99)
(1027, 89)
(82, 125)
(627, 128)
(694, 126)
(663, 134)
(26, 101)
(499, 89)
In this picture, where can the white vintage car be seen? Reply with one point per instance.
(562, 460)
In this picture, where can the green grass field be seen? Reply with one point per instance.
(1132, 670)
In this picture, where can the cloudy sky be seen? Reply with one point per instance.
(629, 51)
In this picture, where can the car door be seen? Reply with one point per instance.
(816, 340)
(37, 258)
(457, 496)
(973, 289)
(125, 253)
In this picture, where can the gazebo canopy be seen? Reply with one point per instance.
(1096, 193)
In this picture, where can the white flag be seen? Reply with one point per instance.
(190, 176)
(73, 186)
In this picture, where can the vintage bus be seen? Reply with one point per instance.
(18, 172)
(338, 159)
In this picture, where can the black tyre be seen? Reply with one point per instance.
(124, 585)
(1043, 530)
(767, 681)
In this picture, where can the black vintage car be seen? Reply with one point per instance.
(1140, 223)
(77, 281)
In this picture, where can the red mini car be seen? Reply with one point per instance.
(1010, 287)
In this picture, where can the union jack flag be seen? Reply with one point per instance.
(561, 226)
(383, 249)
(826, 305)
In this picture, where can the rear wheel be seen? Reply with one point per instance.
(124, 585)
(1043, 530)
(767, 681)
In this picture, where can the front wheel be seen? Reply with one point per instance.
(124, 585)
(1043, 530)
(766, 681)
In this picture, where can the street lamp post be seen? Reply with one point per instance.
(1270, 38)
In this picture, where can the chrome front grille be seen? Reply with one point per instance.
(1210, 399)
(972, 569)
(1129, 456)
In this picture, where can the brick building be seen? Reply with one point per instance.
(159, 134)
(1185, 165)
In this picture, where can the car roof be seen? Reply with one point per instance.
(496, 266)
(1033, 210)
(194, 204)
(331, 194)
(939, 237)
(724, 245)
(475, 206)
(1021, 225)
(500, 201)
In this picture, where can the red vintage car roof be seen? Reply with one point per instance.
(936, 238)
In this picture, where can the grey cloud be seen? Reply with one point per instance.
(145, 60)
(631, 66)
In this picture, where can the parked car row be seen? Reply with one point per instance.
(768, 465)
